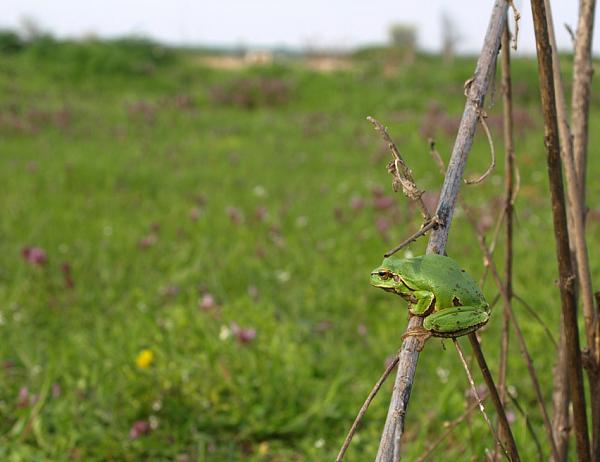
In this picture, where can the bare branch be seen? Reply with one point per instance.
(582, 82)
(580, 106)
(566, 273)
(521, 340)
(573, 158)
(432, 224)
(402, 174)
(576, 218)
(506, 434)
(509, 157)
(571, 33)
(477, 397)
(436, 156)
(409, 355)
(486, 129)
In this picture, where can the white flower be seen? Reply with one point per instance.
(443, 374)
(259, 191)
(282, 276)
(153, 421)
(319, 443)
(225, 333)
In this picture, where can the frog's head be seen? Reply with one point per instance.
(387, 276)
(383, 278)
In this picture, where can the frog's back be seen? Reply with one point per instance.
(447, 279)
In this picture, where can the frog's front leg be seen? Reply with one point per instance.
(456, 321)
(424, 301)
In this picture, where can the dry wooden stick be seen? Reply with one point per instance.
(580, 105)
(509, 156)
(521, 340)
(566, 274)
(478, 398)
(409, 354)
(506, 435)
(561, 396)
(576, 217)
(582, 81)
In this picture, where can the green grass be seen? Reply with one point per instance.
(157, 193)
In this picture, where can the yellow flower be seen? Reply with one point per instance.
(263, 448)
(144, 359)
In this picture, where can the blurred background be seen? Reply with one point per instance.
(192, 201)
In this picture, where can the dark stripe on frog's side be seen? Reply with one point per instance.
(459, 333)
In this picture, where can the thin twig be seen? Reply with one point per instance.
(580, 107)
(488, 134)
(477, 397)
(574, 189)
(534, 437)
(430, 225)
(521, 340)
(506, 433)
(450, 427)
(517, 17)
(402, 174)
(509, 155)
(561, 396)
(436, 156)
(571, 33)
(364, 408)
(538, 318)
(559, 215)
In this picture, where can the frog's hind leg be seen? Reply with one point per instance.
(456, 321)
(425, 302)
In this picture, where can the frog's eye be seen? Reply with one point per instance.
(384, 275)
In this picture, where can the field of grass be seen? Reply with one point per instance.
(186, 251)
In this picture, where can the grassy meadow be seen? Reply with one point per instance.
(186, 251)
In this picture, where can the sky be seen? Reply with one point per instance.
(336, 24)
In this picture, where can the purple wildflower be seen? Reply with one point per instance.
(34, 255)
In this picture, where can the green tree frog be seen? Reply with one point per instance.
(437, 289)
